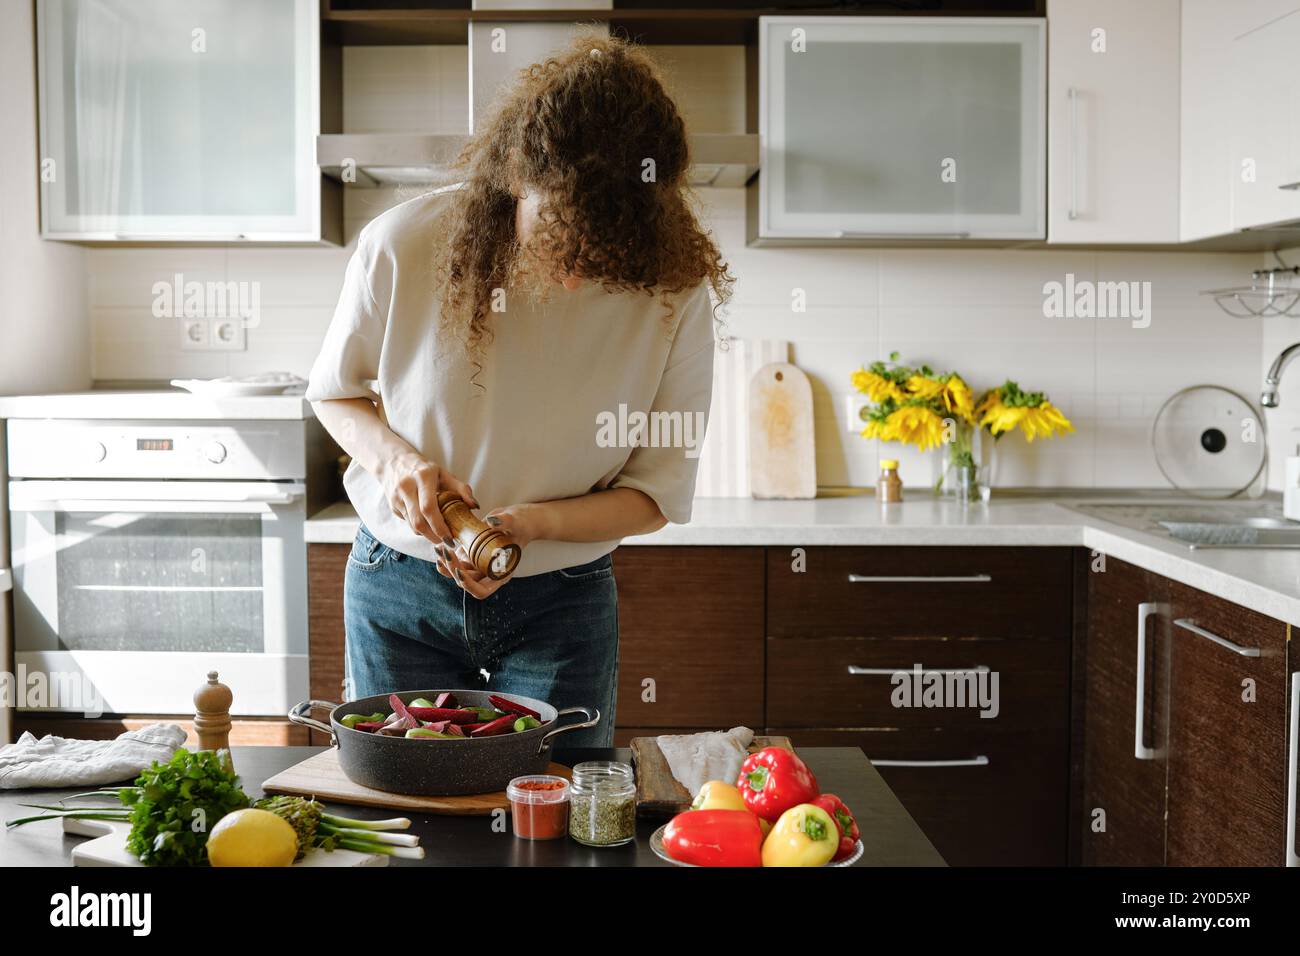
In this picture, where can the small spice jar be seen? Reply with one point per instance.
(602, 803)
(539, 806)
(889, 489)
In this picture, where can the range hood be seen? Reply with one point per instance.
(409, 159)
(420, 158)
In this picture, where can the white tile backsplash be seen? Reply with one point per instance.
(977, 311)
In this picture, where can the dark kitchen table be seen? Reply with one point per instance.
(890, 836)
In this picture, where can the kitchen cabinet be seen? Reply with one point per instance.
(195, 122)
(1227, 730)
(1113, 132)
(1264, 153)
(1125, 755)
(690, 622)
(1186, 704)
(883, 128)
(1240, 136)
(844, 622)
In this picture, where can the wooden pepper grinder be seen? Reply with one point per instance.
(489, 550)
(212, 714)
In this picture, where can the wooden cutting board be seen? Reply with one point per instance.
(723, 470)
(321, 776)
(782, 452)
(109, 848)
(658, 794)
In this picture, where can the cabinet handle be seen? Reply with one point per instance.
(1292, 760)
(855, 234)
(980, 761)
(1072, 94)
(920, 578)
(1187, 624)
(857, 671)
(1142, 752)
(179, 237)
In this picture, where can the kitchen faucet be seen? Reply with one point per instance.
(1268, 398)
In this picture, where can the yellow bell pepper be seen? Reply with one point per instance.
(805, 835)
(720, 795)
(717, 795)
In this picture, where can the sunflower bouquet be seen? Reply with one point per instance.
(916, 406)
(919, 406)
(1007, 408)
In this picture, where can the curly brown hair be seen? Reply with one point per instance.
(580, 129)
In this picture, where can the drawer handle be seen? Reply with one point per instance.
(1293, 758)
(980, 761)
(1187, 624)
(857, 671)
(920, 578)
(1140, 750)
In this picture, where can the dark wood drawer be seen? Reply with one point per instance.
(920, 592)
(690, 619)
(848, 682)
(990, 798)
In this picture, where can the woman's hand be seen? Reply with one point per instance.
(411, 484)
(523, 523)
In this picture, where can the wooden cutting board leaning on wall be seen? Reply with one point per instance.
(782, 449)
(724, 459)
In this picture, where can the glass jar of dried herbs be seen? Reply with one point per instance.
(602, 803)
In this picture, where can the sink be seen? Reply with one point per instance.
(1225, 524)
(1254, 533)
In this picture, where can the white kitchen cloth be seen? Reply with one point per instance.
(51, 761)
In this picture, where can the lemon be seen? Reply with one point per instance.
(252, 837)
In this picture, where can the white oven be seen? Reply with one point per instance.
(146, 554)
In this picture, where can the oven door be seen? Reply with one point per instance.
(127, 593)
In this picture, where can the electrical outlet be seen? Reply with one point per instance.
(195, 334)
(854, 402)
(228, 335)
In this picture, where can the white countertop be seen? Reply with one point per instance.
(166, 404)
(1267, 581)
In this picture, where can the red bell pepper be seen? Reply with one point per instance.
(502, 725)
(774, 780)
(844, 822)
(510, 707)
(715, 838)
(443, 713)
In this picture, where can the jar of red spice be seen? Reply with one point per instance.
(539, 806)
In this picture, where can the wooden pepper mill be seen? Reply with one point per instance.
(212, 714)
(489, 550)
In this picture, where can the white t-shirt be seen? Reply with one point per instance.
(564, 381)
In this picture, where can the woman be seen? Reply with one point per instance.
(561, 286)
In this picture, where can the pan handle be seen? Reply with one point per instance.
(591, 713)
(301, 714)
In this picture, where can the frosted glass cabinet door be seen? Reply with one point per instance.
(899, 127)
(179, 119)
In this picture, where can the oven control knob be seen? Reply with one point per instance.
(97, 451)
(214, 452)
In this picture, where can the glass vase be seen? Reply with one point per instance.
(962, 464)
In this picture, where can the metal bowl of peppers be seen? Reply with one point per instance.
(774, 815)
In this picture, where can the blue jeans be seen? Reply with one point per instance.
(550, 636)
